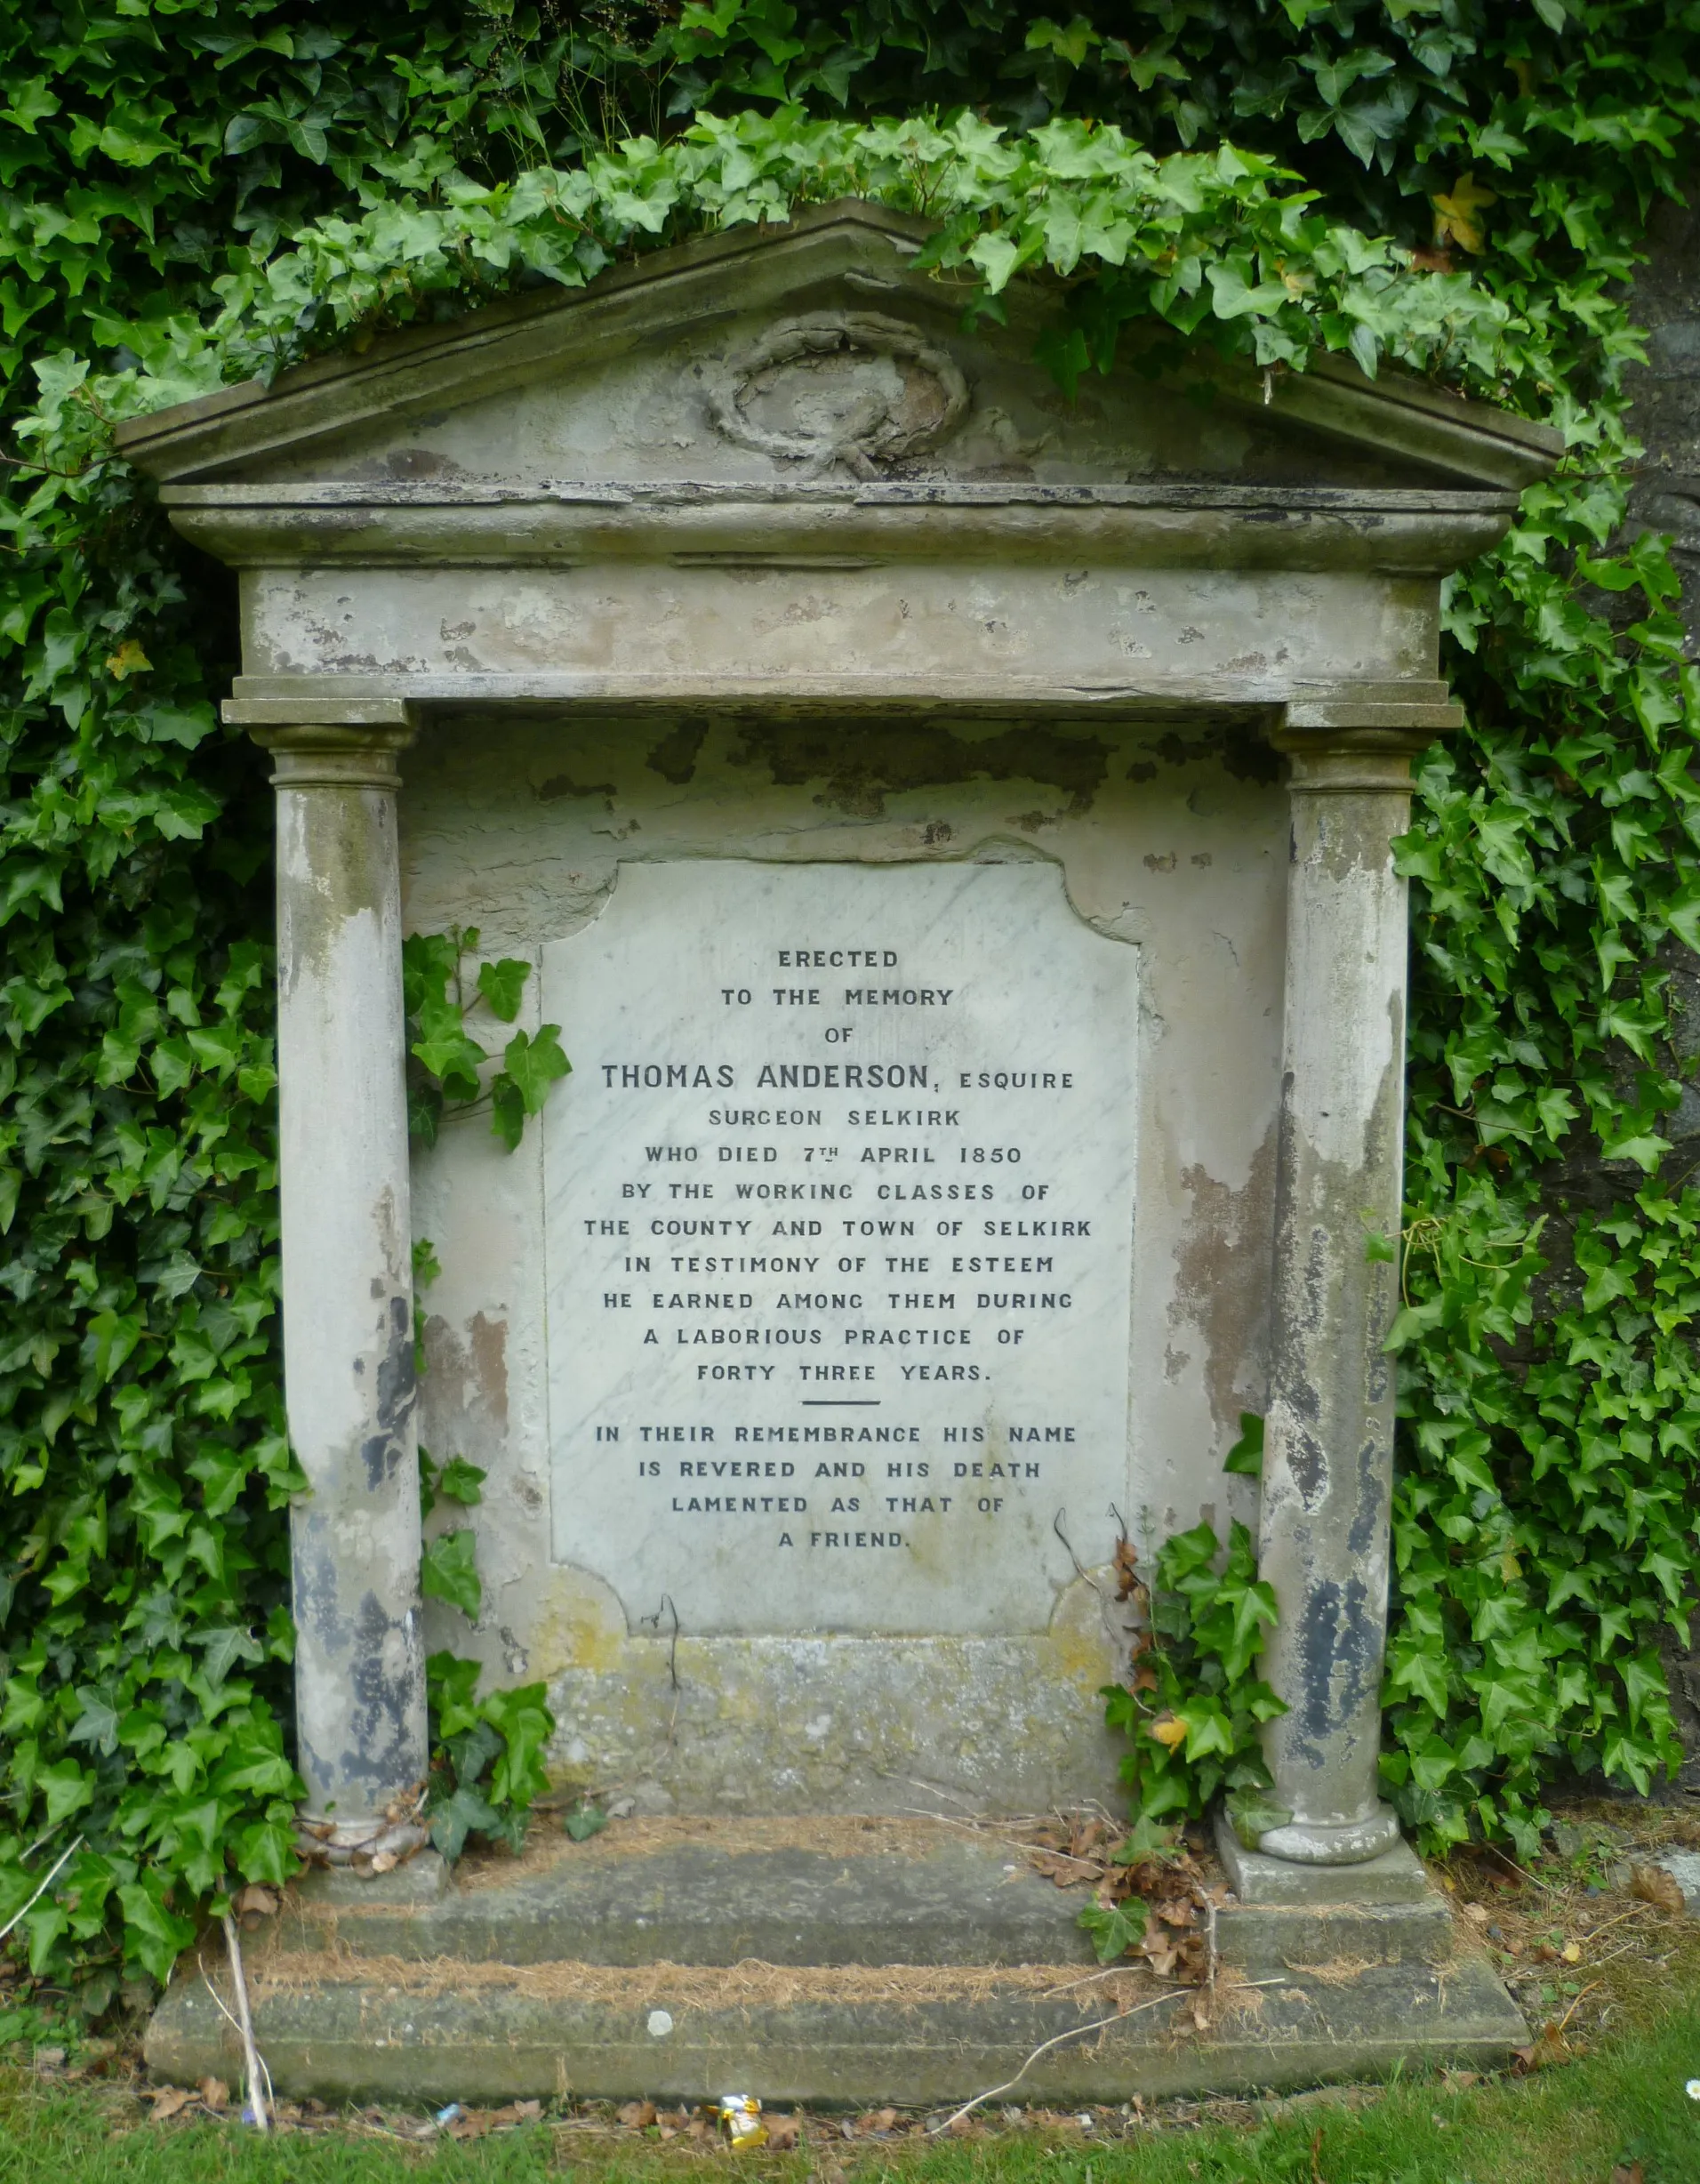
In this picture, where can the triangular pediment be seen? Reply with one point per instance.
(812, 352)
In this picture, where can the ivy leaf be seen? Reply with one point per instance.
(1455, 214)
(460, 1814)
(451, 1687)
(223, 1646)
(507, 1111)
(97, 1721)
(29, 102)
(1116, 1927)
(1234, 296)
(66, 1788)
(503, 985)
(265, 1852)
(522, 1715)
(448, 1571)
(1070, 44)
(453, 1058)
(1146, 1838)
(1253, 1816)
(461, 1482)
(533, 1065)
(583, 1821)
(1247, 1455)
(154, 1937)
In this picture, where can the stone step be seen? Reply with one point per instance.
(837, 1961)
(827, 1892)
(820, 1893)
(855, 2036)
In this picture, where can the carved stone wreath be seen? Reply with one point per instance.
(805, 393)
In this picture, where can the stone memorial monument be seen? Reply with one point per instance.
(951, 825)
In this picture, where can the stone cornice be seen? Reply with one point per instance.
(1405, 532)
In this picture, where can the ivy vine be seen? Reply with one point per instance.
(212, 188)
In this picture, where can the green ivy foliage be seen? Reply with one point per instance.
(190, 187)
(1194, 1704)
(446, 1067)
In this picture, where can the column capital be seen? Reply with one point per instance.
(346, 745)
(1345, 740)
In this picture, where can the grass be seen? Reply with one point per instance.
(1624, 2107)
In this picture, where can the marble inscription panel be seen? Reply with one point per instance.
(840, 1204)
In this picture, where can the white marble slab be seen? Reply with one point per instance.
(838, 1235)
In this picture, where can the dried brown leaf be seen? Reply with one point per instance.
(214, 2092)
(168, 2100)
(1652, 1884)
(1548, 2046)
(637, 2115)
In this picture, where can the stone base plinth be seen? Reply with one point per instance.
(827, 1962)
(1395, 1876)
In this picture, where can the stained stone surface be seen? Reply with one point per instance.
(435, 2033)
(838, 1962)
(840, 1205)
(528, 830)
(1395, 1877)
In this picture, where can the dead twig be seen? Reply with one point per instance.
(1575, 2006)
(1110, 1971)
(1013, 1842)
(1075, 2031)
(1606, 1925)
(252, 2065)
(63, 1860)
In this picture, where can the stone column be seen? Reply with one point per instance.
(1329, 1440)
(348, 1262)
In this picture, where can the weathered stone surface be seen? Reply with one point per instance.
(451, 2031)
(348, 1272)
(523, 828)
(1395, 1876)
(1328, 1468)
(420, 1879)
(1264, 1941)
(874, 1893)
(825, 1961)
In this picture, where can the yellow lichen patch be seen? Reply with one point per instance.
(580, 1625)
(1077, 1639)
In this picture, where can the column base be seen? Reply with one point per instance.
(1317, 1842)
(1393, 1877)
